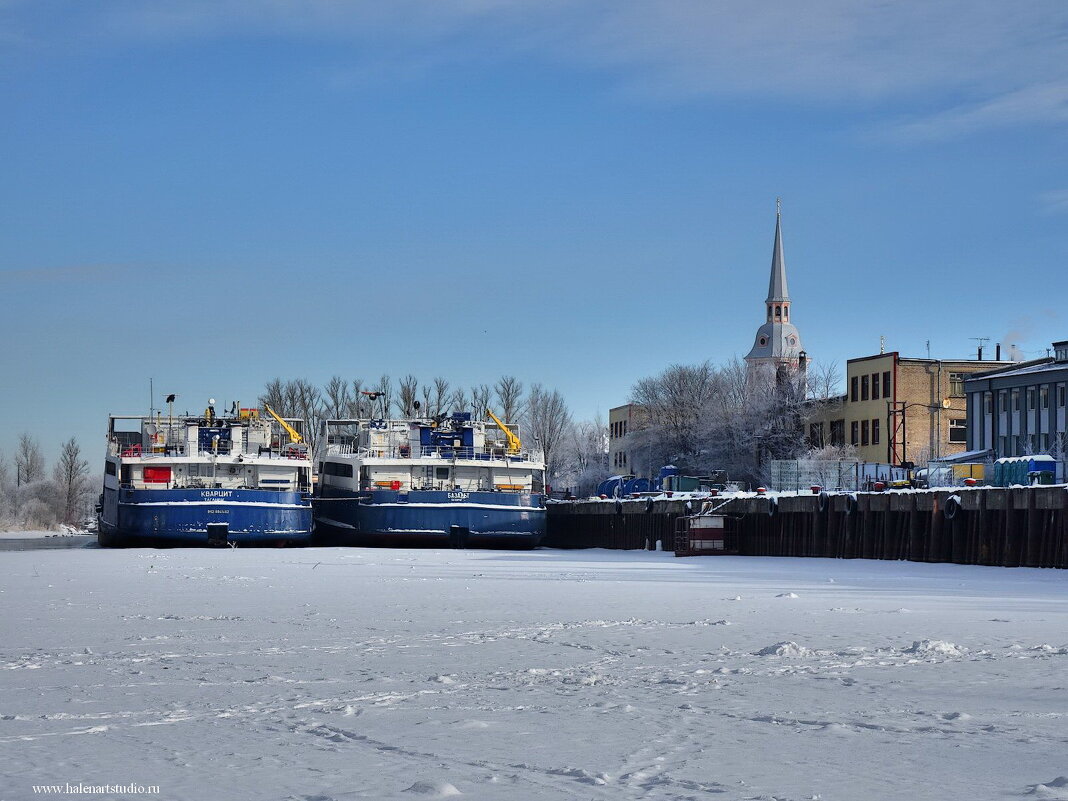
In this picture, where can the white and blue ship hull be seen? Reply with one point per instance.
(205, 516)
(429, 518)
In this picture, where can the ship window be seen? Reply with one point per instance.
(194, 469)
(109, 468)
(441, 472)
(338, 469)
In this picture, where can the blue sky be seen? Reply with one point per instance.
(212, 194)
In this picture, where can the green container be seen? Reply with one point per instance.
(1041, 476)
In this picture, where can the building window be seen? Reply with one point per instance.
(958, 430)
(837, 432)
(778, 312)
(1043, 397)
(854, 433)
(886, 384)
(863, 432)
(785, 313)
(1016, 401)
(853, 383)
(956, 385)
(875, 431)
(1060, 394)
(875, 386)
(1003, 401)
(623, 458)
(1031, 399)
(863, 387)
(988, 402)
(1043, 443)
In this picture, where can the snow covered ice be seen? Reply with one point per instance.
(335, 674)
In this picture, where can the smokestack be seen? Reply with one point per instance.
(997, 352)
(980, 353)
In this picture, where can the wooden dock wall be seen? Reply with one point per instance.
(1019, 526)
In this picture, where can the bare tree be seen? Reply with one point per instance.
(298, 398)
(548, 420)
(458, 401)
(357, 407)
(29, 461)
(480, 401)
(71, 477)
(441, 397)
(274, 395)
(509, 391)
(824, 380)
(407, 395)
(384, 402)
(337, 398)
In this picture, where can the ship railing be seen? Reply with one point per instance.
(159, 451)
(432, 452)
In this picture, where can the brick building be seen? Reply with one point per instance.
(899, 409)
(622, 422)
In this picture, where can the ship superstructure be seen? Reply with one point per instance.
(209, 479)
(429, 481)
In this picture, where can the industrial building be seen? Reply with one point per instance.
(1019, 410)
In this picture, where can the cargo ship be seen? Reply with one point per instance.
(234, 479)
(447, 481)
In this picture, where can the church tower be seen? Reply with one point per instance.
(777, 354)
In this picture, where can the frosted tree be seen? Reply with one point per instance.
(5, 490)
(547, 421)
(583, 461)
(509, 391)
(71, 478)
(29, 461)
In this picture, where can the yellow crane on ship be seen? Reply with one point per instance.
(294, 435)
(514, 445)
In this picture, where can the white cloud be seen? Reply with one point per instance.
(1054, 201)
(952, 66)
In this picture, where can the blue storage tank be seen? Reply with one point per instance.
(613, 486)
(636, 485)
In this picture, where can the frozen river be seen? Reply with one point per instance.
(343, 673)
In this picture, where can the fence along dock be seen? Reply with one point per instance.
(1009, 527)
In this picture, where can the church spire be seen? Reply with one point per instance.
(777, 291)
